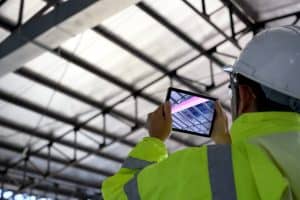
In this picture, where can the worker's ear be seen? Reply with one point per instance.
(247, 99)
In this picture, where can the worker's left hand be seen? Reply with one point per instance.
(160, 122)
(220, 131)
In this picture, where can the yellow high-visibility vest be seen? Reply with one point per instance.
(263, 162)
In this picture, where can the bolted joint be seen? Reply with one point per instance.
(135, 93)
(133, 128)
(26, 158)
(102, 145)
(50, 144)
(212, 50)
(107, 110)
(172, 73)
(27, 155)
(76, 128)
(73, 160)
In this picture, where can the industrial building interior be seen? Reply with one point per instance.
(78, 79)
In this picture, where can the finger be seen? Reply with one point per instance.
(149, 118)
(226, 118)
(220, 112)
(218, 108)
(167, 110)
(160, 111)
(149, 115)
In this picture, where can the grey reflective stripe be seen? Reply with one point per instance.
(131, 189)
(134, 163)
(221, 172)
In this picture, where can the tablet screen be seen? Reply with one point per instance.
(191, 113)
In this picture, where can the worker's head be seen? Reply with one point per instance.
(251, 96)
(266, 75)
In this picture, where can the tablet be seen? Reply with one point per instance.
(191, 113)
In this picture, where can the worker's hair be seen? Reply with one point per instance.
(262, 102)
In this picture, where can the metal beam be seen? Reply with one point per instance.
(53, 28)
(240, 14)
(207, 19)
(19, 101)
(48, 137)
(34, 173)
(38, 26)
(2, 2)
(90, 169)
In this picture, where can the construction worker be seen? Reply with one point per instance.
(263, 159)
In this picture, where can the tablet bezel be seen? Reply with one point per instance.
(170, 89)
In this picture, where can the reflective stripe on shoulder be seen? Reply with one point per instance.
(221, 172)
(131, 189)
(134, 163)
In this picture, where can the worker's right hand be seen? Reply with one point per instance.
(220, 131)
(160, 122)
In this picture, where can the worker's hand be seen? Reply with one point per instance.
(160, 122)
(220, 132)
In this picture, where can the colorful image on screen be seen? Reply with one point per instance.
(191, 113)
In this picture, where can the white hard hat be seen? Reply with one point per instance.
(272, 58)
